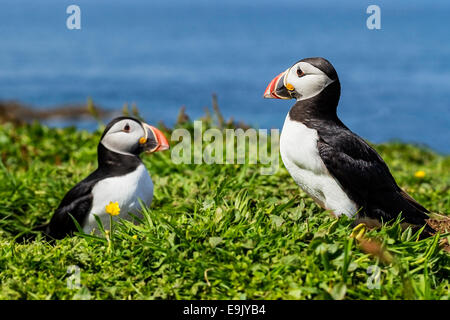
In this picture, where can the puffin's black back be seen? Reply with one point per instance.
(366, 178)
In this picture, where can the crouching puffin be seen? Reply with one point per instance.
(120, 177)
(333, 165)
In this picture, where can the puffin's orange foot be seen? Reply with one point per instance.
(358, 231)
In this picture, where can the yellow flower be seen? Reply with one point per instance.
(134, 237)
(112, 208)
(419, 174)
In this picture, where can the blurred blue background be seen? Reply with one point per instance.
(164, 54)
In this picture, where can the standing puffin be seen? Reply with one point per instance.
(333, 165)
(120, 177)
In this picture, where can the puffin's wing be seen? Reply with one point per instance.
(77, 202)
(413, 202)
(367, 180)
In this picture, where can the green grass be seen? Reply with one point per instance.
(212, 232)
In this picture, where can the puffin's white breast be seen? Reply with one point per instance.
(126, 190)
(300, 155)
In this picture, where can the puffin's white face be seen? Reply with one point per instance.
(123, 137)
(131, 137)
(301, 81)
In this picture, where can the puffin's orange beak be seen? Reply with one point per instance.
(276, 88)
(159, 141)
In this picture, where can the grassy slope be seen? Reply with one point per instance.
(213, 231)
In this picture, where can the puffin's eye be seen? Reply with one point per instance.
(126, 128)
(300, 73)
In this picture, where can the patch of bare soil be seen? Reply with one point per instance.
(441, 224)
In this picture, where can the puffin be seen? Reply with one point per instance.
(339, 170)
(120, 177)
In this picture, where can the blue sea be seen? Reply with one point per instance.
(165, 54)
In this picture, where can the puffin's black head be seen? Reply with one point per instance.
(307, 78)
(130, 136)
